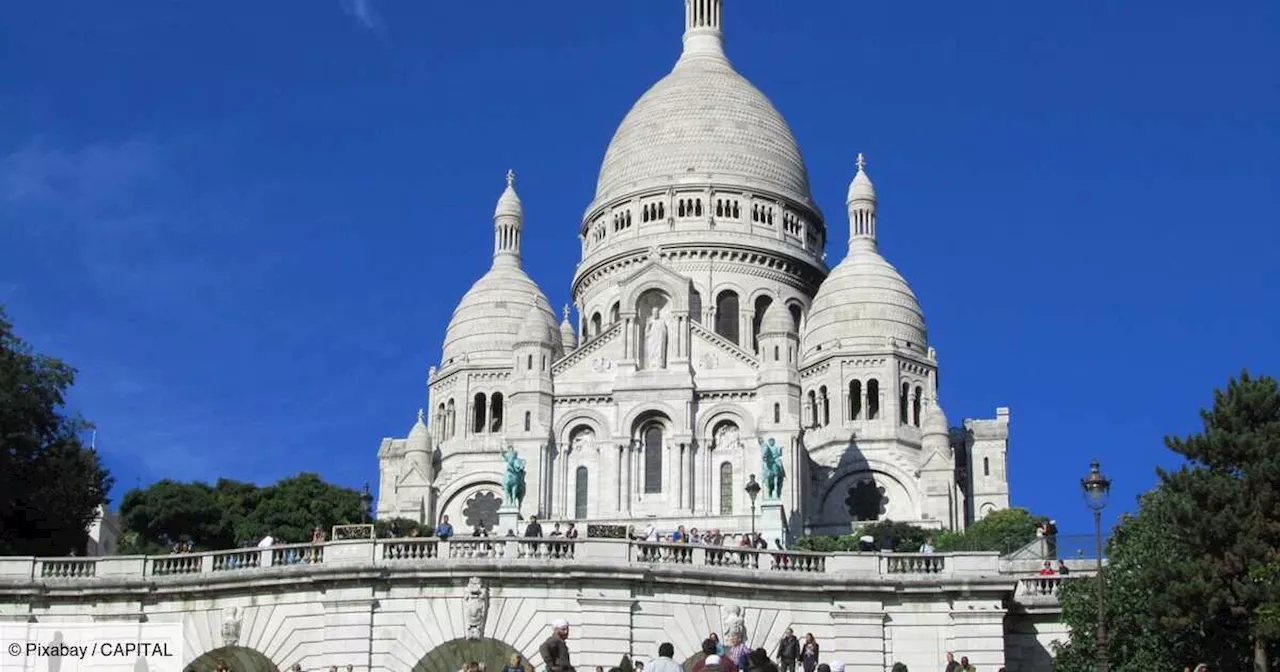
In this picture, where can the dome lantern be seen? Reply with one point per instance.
(508, 222)
(862, 207)
(702, 34)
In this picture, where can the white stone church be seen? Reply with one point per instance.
(706, 319)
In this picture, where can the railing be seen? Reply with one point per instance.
(432, 551)
(1040, 586)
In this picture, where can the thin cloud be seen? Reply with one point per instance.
(364, 13)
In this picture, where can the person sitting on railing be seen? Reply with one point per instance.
(572, 532)
(680, 536)
(927, 546)
(444, 530)
(1062, 568)
(1047, 570)
(760, 543)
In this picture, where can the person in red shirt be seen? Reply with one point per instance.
(1048, 569)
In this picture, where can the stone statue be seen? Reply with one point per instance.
(513, 482)
(231, 619)
(734, 624)
(771, 460)
(583, 440)
(655, 341)
(727, 437)
(476, 607)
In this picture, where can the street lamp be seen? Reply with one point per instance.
(366, 501)
(753, 489)
(1097, 490)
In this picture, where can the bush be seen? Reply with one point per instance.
(1002, 531)
(906, 538)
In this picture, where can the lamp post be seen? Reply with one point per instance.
(753, 489)
(1097, 490)
(366, 502)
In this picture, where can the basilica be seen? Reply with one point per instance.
(704, 323)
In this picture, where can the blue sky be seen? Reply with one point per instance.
(247, 223)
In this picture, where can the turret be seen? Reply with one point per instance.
(943, 500)
(531, 383)
(508, 225)
(568, 336)
(779, 376)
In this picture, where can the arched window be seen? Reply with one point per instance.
(653, 459)
(904, 403)
(986, 466)
(796, 313)
(813, 408)
(613, 313)
(580, 494)
(777, 412)
(495, 414)
(873, 399)
(762, 304)
(915, 406)
(478, 413)
(544, 362)
(726, 489)
(528, 363)
(855, 399)
(695, 306)
(727, 315)
(596, 325)
(776, 353)
(680, 208)
(826, 405)
(528, 421)
(449, 420)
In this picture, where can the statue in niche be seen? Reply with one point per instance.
(583, 440)
(727, 437)
(771, 460)
(513, 481)
(231, 619)
(476, 603)
(735, 624)
(655, 341)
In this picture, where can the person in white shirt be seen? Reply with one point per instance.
(664, 662)
(651, 533)
(267, 542)
(927, 546)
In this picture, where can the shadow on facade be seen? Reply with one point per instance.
(235, 658)
(452, 655)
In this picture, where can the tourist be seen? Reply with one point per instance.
(534, 529)
(1062, 568)
(694, 536)
(809, 653)
(836, 667)
(965, 666)
(823, 667)
(317, 535)
(711, 649)
(738, 650)
(1047, 570)
(639, 667)
(788, 650)
(952, 665)
(714, 663)
(572, 532)
(715, 638)
(479, 531)
(651, 533)
(680, 536)
(758, 661)
(267, 541)
(517, 664)
(555, 651)
(555, 531)
(866, 544)
(599, 668)
(664, 662)
(927, 546)
(444, 530)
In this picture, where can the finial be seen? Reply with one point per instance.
(862, 162)
(421, 413)
(566, 312)
(511, 177)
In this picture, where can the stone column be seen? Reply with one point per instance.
(348, 630)
(978, 631)
(859, 638)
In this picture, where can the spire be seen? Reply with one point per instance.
(703, 37)
(508, 219)
(862, 208)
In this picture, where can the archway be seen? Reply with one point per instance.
(452, 655)
(236, 658)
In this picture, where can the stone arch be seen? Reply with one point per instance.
(661, 279)
(725, 411)
(455, 497)
(237, 658)
(892, 480)
(633, 418)
(582, 416)
(452, 655)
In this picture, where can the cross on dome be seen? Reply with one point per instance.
(511, 177)
(862, 162)
(420, 415)
(566, 312)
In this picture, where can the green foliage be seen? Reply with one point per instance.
(404, 527)
(51, 484)
(1003, 531)
(232, 514)
(1193, 577)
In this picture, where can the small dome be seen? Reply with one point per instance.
(861, 188)
(418, 436)
(568, 336)
(865, 301)
(777, 320)
(534, 328)
(489, 316)
(509, 204)
(935, 421)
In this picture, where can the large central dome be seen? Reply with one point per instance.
(703, 121)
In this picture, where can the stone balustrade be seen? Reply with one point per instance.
(1040, 586)
(434, 552)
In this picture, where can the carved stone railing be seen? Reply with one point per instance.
(432, 552)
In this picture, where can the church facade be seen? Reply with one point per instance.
(704, 322)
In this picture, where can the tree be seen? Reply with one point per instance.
(51, 484)
(1226, 511)
(1138, 550)
(1004, 531)
(232, 514)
